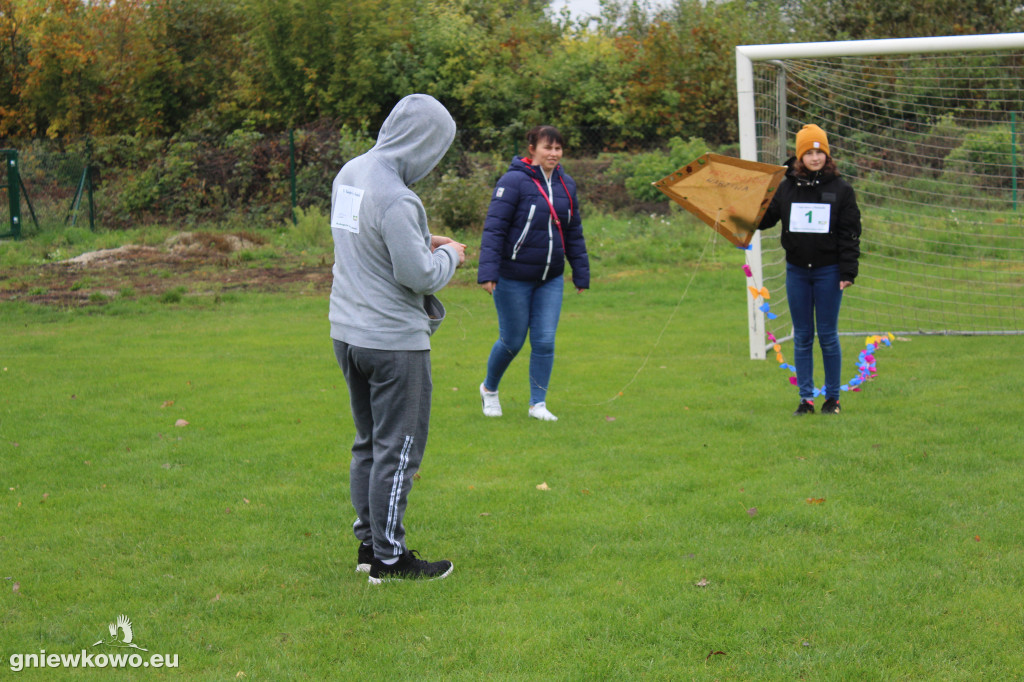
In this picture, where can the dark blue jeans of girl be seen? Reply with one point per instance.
(814, 299)
(523, 307)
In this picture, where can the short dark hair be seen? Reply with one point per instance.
(549, 133)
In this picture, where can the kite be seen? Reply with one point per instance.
(730, 195)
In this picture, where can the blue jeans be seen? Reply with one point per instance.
(524, 307)
(814, 298)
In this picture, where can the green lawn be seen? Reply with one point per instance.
(692, 529)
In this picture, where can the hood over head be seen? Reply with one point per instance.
(415, 136)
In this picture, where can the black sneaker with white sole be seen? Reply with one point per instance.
(409, 567)
(806, 407)
(364, 558)
(831, 406)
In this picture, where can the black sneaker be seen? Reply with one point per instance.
(365, 558)
(831, 406)
(409, 567)
(806, 407)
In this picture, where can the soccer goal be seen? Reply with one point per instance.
(928, 132)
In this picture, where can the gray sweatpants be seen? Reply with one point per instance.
(390, 396)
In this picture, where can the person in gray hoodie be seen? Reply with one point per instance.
(387, 268)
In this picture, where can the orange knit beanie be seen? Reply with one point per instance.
(811, 137)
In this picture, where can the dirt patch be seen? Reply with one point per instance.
(187, 264)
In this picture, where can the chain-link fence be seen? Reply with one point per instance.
(248, 178)
(46, 187)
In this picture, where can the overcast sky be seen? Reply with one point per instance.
(578, 8)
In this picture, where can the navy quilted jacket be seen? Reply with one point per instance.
(521, 240)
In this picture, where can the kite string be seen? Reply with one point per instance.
(671, 316)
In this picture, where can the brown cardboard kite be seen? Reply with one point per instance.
(731, 195)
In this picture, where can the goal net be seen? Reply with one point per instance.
(928, 132)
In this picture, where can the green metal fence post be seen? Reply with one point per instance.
(88, 171)
(76, 201)
(13, 197)
(291, 156)
(92, 211)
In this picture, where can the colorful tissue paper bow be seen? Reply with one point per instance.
(866, 364)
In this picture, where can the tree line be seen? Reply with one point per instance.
(165, 68)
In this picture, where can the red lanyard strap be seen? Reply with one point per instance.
(551, 206)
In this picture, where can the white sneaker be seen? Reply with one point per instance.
(540, 411)
(492, 407)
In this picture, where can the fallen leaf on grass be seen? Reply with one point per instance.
(703, 582)
(977, 538)
(16, 587)
(167, 403)
(181, 422)
(609, 419)
(485, 513)
(543, 486)
(752, 511)
(815, 500)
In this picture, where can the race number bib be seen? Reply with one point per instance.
(810, 218)
(345, 212)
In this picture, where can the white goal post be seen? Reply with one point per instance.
(926, 131)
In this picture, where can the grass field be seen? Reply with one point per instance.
(691, 530)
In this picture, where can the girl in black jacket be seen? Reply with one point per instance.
(821, 237)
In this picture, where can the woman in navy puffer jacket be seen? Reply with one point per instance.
(533, 225)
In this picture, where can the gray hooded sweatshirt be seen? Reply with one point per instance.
(384, 272)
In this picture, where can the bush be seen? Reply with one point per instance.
(174, 295)
(459, 203)
(311, 231)
(640, 170)
(985, 158)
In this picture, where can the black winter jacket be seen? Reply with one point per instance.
(521, 241)
(814, 246)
